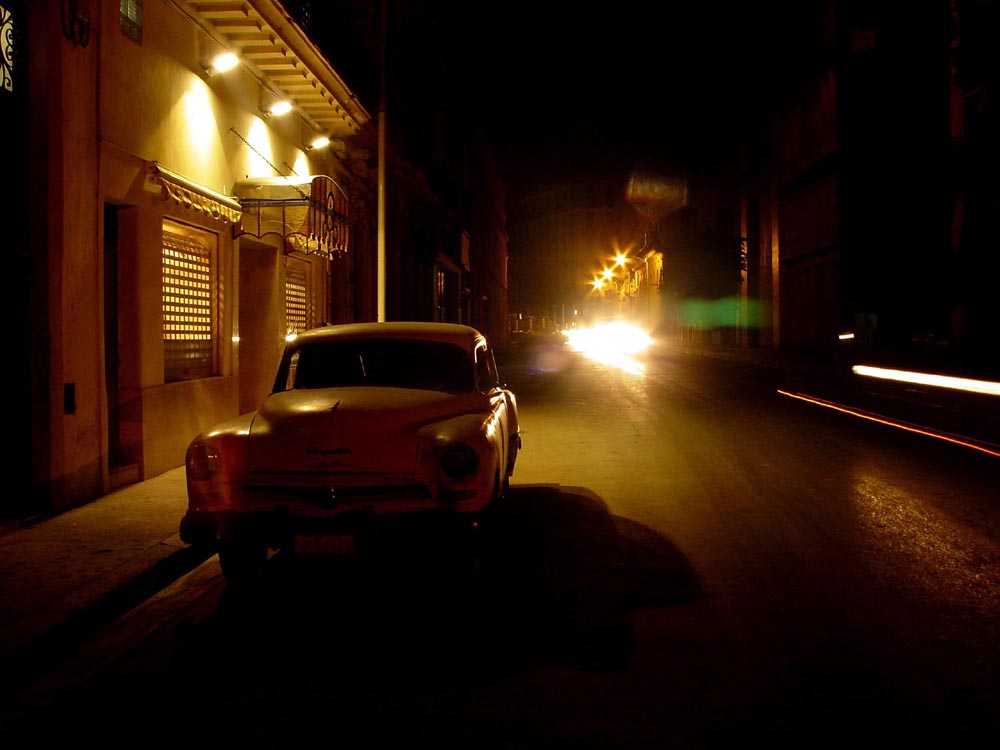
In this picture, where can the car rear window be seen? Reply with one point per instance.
(429, 365)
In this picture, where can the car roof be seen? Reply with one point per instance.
(451, 333)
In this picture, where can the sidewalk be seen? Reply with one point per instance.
(71, 572)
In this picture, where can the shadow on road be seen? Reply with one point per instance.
(555, 579)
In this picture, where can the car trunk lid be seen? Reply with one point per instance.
(358, 430)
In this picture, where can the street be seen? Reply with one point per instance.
(685, 559)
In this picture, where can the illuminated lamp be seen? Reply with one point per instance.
(221, 63)
(277, 108)
(319, 141)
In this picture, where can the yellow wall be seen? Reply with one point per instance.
(74, 272)
(176, 412)
(121, 105)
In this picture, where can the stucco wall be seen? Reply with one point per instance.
(114, 107)
(74, 275)
(174, 413)
(156, 105)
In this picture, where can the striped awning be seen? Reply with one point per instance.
(311, 214)
(187, 193)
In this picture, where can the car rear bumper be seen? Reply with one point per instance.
(278, 530)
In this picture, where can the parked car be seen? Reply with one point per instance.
(367, 425)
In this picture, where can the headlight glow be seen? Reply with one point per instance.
(614, 344)
(460, 460)
(987, 387)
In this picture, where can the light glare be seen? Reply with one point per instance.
(195, 106)
(301, 166)
(260, 157)
(614, 344)
(225, 61)
(280, 108)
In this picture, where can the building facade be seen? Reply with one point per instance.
(856, 225)
(869, 184)
(561, 234)
(174, 230)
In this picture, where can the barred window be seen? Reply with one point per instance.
(297, 308)
(189, 303)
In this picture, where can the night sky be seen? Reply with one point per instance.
(623, 81)
(574, 84)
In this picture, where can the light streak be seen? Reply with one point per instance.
(925, 378)
(991, 451)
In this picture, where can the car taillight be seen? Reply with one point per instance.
(202, 462)
(459, 461)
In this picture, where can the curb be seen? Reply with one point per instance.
(107, 600)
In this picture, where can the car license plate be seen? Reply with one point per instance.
(325, 544)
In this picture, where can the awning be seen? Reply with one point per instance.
(189, 194)
(309, 213)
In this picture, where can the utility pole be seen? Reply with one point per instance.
(381, 167)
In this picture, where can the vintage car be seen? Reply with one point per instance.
(367, 424)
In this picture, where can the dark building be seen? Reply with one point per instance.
(562, 234)
(872, 183)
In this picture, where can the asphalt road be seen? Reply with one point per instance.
(686, 559)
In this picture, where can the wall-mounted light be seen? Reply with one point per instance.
(221, 63)
(276, 108)
(319, 141)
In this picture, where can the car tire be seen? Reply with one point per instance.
(501, 484)
(242, 562)
(512, 450)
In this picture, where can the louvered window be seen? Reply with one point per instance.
(130, 19)
(189, 293)
(297, 317)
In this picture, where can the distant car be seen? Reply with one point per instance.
(367, 423)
